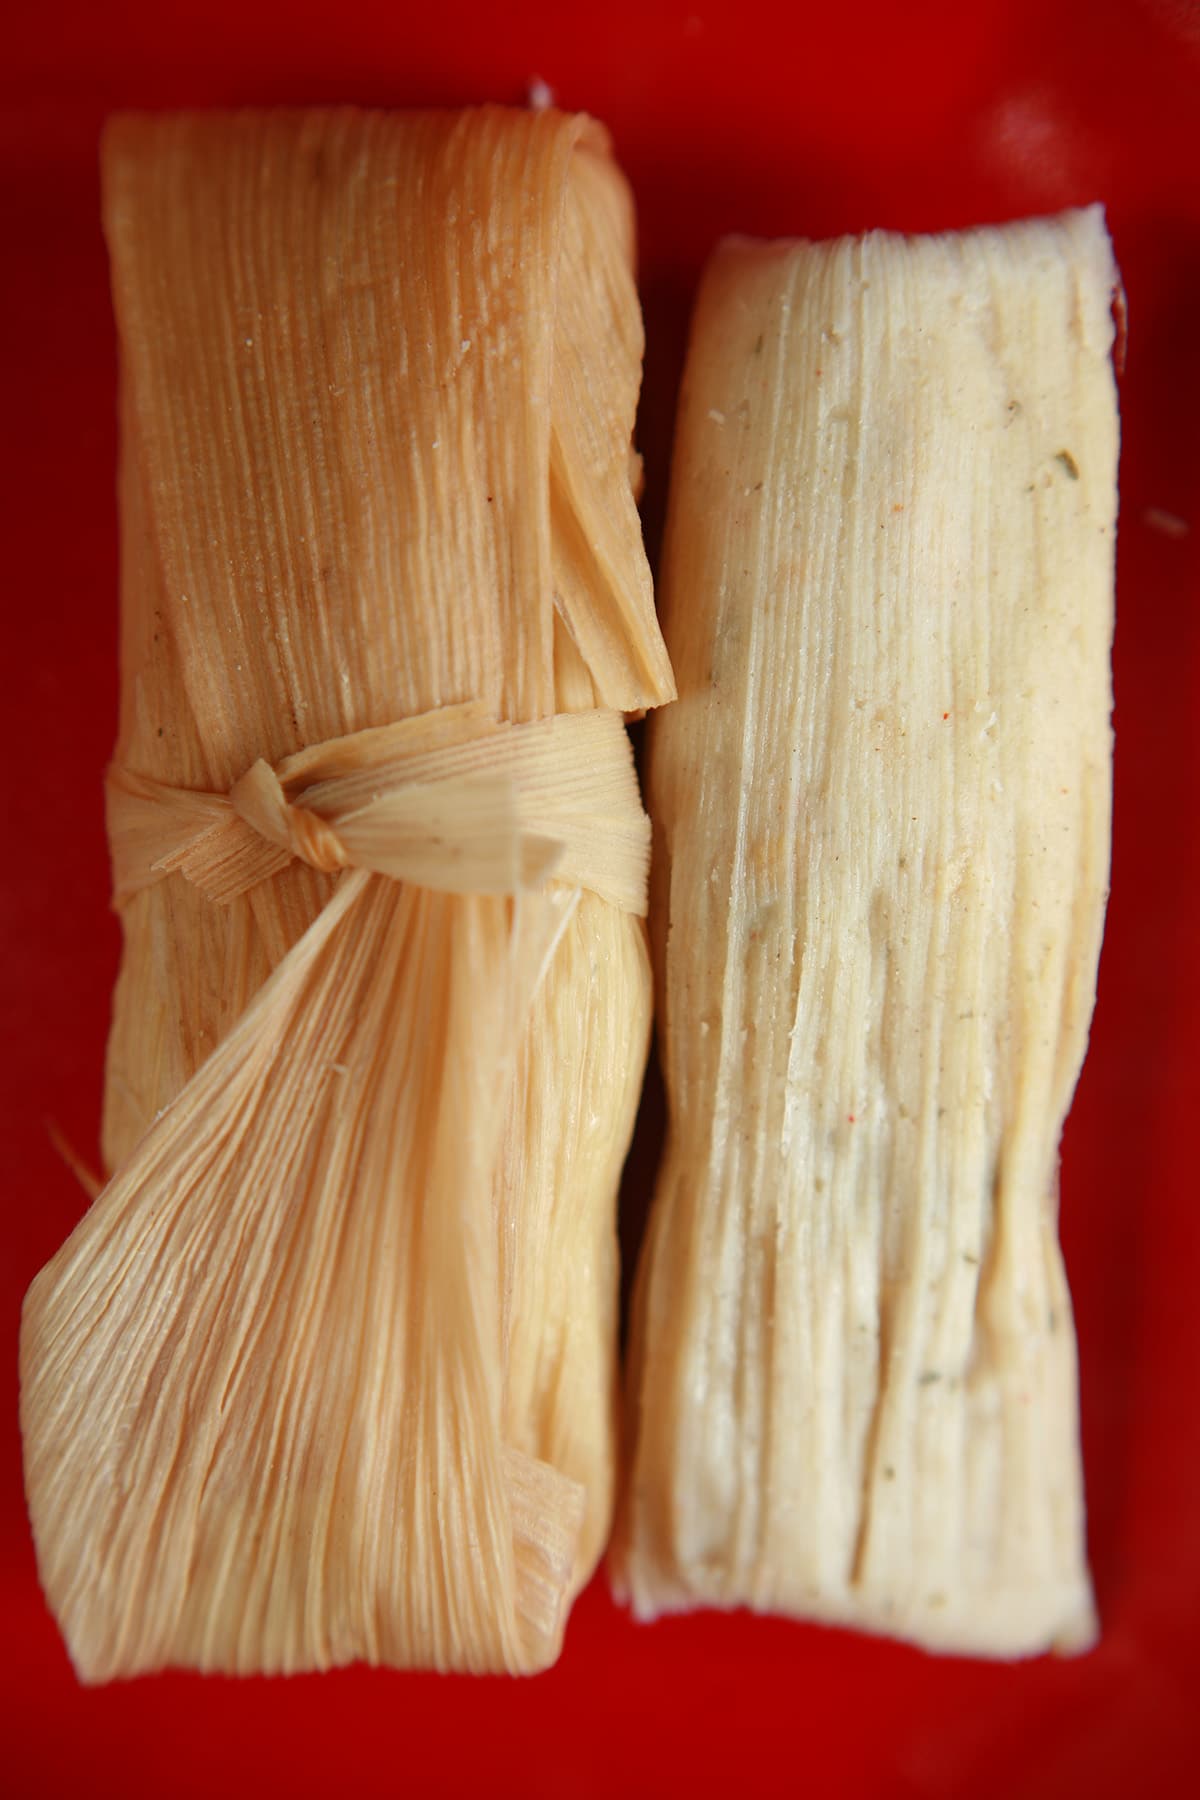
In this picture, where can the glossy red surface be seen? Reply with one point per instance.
(830, 119)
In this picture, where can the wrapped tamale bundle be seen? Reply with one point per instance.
(327, 1372)
(884, 804)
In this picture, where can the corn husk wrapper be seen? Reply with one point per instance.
(883, 801)
(327, 1372)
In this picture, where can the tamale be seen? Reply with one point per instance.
(883, 802)
(328, 1371)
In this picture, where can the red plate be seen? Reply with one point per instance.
(838, 118)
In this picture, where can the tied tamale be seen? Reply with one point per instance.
(327, 1372)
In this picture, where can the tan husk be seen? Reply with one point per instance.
(882, 803)
(327, 1372)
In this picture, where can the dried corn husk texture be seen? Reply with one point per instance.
(328, 1370)
(884, 809)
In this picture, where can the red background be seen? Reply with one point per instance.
(836, 118)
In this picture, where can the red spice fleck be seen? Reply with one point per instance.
(897, 509)
(851, 1118)
(945, 715)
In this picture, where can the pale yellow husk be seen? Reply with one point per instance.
(328, 1370)
(883, 801)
